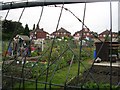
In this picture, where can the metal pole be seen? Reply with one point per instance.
(118, 38)
(111, 45)
(119, 18)
(14, 5)
(81, 42)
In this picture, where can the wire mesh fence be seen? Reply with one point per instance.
(63, 64)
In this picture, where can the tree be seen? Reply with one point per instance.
(8, 28)
(26, 31)
(34, 27)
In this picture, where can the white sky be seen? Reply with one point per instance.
(97, 17)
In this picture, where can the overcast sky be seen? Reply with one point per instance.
(97, 17)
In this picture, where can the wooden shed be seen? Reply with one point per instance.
(103, 50)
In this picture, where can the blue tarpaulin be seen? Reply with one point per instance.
(94, 54)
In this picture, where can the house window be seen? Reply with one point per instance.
(104, 35)
(35, 32)
(64, 33)
(78, 34)
(86, 30)
(34, 37)
(88, 34)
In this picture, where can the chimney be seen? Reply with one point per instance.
(37, 26)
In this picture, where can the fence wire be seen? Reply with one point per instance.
(38, 75)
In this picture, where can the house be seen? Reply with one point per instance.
(87, 38)
(61, 33)
(38, 34)
(106, 33)
(86, 34)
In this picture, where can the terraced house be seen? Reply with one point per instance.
(38, 34)
(61, 33)
(107, 34)
(86, 34)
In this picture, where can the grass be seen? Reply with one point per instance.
(59, 76)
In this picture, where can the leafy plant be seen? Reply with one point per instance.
(33, 54)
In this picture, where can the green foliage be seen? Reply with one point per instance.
(61, 64)
(9, 26)
(33, 54)
(107, 37)
(66, 38)
(92, 85)
(58, 78)
(26, 31)
(38, 69)
(86, 53)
